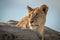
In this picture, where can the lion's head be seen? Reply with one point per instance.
(37, 16)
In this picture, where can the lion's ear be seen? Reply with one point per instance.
(44, 8)
(29, 9)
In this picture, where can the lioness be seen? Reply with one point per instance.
(35, 20)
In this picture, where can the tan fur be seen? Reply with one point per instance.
(35, 20)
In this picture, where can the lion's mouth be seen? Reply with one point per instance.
(34, 25)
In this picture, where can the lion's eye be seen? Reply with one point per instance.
(37, 14)
(29, 15)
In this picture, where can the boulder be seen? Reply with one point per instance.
(10, 29)
(12, 32)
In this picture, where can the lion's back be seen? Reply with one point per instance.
(23, 22)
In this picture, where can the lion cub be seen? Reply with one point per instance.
(35, 20)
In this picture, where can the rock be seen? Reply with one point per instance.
(12, 32)
(49, 33)
(13, 22)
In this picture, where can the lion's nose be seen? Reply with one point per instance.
(31, 21)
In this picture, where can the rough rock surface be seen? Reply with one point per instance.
(12, 32)
(51, 34)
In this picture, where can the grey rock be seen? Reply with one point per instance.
(13, 22)
(26, 34)
(12, 32)
(49, 33)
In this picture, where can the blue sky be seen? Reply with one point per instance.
(16, 9)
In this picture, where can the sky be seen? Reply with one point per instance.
(17, 9)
